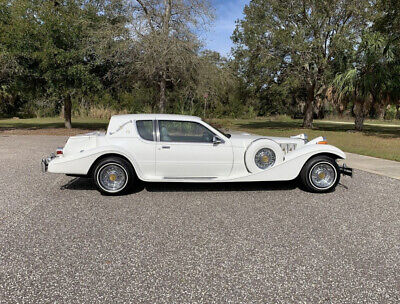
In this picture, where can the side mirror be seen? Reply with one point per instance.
(217, 140)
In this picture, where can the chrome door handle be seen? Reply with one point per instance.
(166, 147)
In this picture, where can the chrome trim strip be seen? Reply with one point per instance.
(201, 178)
(154, 131)
(157, 130)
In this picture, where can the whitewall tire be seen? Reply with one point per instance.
(114, 176)
(320, 174)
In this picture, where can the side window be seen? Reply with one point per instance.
(184, 131)
(145, 129)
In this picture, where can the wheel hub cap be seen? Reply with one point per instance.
(323, 175)
(112, 177)
(265, 158)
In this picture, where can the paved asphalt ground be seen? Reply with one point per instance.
(61, 241)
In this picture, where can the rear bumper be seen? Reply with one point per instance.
(344, 170)
(45, 162)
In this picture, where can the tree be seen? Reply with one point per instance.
(71, 31)
(371, 80)
(56, 44)
(166, 44)
(296, 44)
(388, 23)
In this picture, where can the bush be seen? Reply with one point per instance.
(391, 113)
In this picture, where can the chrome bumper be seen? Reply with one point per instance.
(344, 170)
(45, 162)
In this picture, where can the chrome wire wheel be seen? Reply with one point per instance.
(265, 158)
(323, 175)
(112, 177)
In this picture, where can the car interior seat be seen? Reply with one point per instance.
(164, 134)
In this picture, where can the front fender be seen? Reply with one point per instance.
(292, 165)
(80, 163)
(314, 149)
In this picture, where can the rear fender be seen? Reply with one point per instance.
(80, 163)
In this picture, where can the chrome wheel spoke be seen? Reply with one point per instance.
(112, 177)
(323, 175)
(265, 158)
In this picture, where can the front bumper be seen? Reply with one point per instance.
(45, 162)
(344, 170)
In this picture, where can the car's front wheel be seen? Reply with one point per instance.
(320, 174)
(114, 176)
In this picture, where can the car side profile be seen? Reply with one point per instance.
(177, 148)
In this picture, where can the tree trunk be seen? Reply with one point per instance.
(67, 111)
(398, 111)
(309, 109)
(191, 106)
(380, 109)
(359, 122)
(381, 113)
(359, 114)
(163, 98)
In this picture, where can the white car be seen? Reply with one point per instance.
(175, 148)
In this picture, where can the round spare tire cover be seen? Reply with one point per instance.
(256, 146)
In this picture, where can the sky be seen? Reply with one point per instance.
(218, 38)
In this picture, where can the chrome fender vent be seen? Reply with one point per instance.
(287, 148)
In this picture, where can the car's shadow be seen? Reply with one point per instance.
(87, 184)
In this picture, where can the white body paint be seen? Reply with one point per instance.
(186, 162)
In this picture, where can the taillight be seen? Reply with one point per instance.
(59, 151)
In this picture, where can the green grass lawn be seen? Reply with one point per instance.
(52, 122)
(377, 140)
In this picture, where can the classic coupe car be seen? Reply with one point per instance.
(176, 148)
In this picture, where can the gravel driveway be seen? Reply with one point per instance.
(61, 241)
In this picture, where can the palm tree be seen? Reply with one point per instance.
(370, 80)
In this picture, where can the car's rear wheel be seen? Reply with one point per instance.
(320, 174)
(114, 176)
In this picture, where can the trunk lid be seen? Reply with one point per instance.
(80, 143)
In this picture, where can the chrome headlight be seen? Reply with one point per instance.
(265, 158)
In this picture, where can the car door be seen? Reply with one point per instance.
(186, 150)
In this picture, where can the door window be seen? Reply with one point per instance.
(184, 131)
(145, 129)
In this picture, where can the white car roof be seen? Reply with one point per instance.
(155, 116)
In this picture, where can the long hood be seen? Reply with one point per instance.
(244, 139)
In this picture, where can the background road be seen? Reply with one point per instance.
(60, 240)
